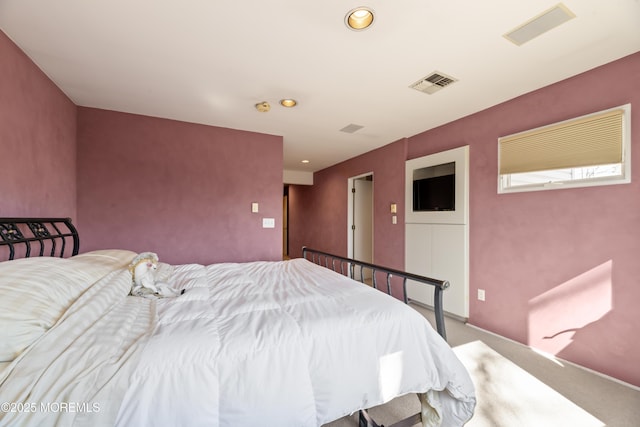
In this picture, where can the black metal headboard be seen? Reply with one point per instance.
(30, 237)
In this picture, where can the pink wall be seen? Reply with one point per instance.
(37, 140)
(179, 189)
(560, 268)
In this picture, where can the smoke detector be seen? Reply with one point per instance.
(433, 82)
(263, 107)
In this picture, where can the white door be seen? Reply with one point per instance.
(363, 220)
(362, 225)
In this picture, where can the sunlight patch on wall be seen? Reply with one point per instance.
(556, 315)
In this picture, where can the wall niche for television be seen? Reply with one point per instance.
(436, 190)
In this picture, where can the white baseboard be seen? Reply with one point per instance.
(446, 313)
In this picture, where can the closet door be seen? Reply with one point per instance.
(439, 251)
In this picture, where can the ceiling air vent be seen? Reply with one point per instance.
(547, 20)
(351, 128)
(433, 82)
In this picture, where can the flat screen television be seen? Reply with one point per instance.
(434, 193)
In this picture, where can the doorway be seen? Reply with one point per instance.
(285, 223)
(360, 222)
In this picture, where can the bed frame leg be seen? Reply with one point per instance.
(365, 420)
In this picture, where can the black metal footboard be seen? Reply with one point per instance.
(348, 267)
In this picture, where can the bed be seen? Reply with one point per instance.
(289, 343)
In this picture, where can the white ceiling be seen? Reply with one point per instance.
(210, 62)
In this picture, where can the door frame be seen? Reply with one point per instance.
(350, 208)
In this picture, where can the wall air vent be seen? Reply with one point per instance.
(433, 82)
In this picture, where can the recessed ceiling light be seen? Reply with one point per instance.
(289, 103)
(304, 161)
(359, 18)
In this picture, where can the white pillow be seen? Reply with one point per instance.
(115, 258)
(35, 292)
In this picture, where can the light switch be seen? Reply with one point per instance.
(394, 208)
(268, 223)
(394, 219)
(254, 207)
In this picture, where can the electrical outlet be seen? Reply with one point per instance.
(481, 294)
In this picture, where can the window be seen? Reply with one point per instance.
(585, 151)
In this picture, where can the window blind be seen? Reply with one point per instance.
(591, 140)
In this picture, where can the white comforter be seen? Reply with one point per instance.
(264, 343)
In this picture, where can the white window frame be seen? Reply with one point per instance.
(623, 178)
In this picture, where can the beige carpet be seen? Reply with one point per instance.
(509, 396)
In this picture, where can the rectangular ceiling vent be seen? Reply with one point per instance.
(547, 20)
(433, 82)
(351, 128)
